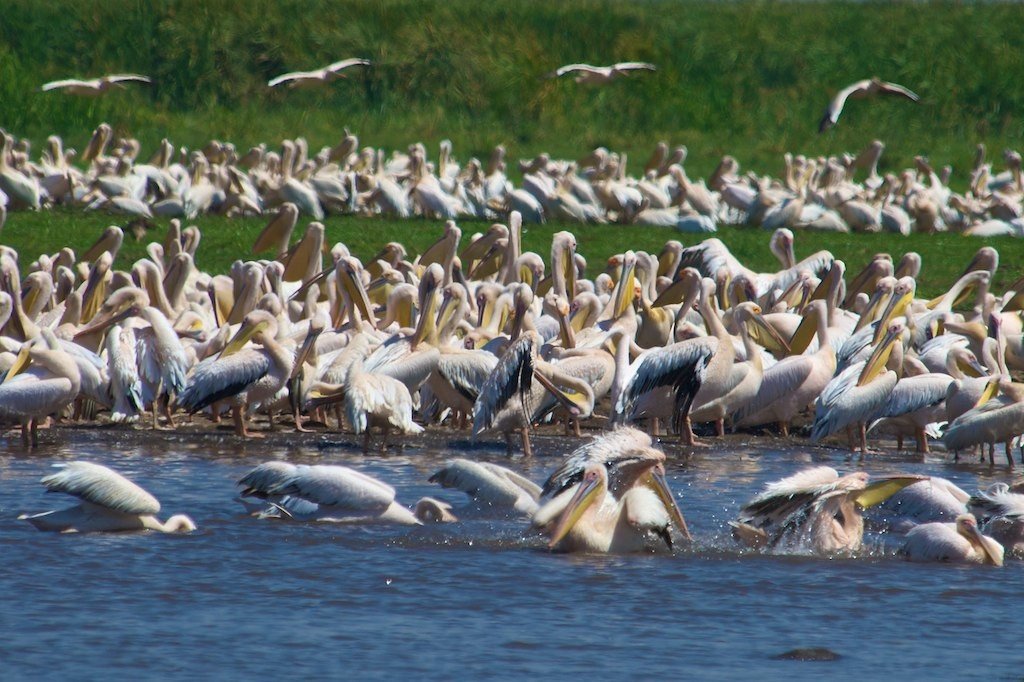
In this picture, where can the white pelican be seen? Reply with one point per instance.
(959, 542)
(862, 88)
(323, 492)
(494, 489)
(110, 502)
(94, 86)
(592, 520)
(244, 377)
(43, 380)
(599, 75)
(328, 73)
(1001, 512)
(815, 509)
(510, 400)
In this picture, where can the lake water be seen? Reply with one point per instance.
(244, 597)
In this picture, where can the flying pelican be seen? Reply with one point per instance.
(95, 86)
(43, 380)
(592, 520)
(323, 492)
(863, 88)
(959, 542)
(324, 75)
(494, 489)
(110, 502)
(815, 509)
(599, 75)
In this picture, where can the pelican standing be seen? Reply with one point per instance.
(43, 380)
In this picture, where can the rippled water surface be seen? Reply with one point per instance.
(248, 597)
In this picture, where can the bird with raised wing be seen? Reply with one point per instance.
(863, 88)
(324, 75)
(599, 75)
(110, 502)
(95, 86)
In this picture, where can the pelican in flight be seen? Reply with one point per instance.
(863, 88)
(323, 492)
(95, 86)
(110, 502)
(599, 75)
(494, 488)
(959, 542)
(814, 509)
(324, 75)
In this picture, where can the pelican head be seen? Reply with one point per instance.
(121, 304)
(988, 549)
(257, 326)
(591, 489)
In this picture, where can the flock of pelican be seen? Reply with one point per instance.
(840, 193)
(608, 496)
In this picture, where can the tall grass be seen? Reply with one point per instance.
(745, 78)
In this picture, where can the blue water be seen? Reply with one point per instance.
(244, 597)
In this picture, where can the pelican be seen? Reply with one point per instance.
(43, 380)
(95, 86)
(1002, 514)
(959, 542)
(494, 489)
(324, 75)
(816, 510)
(599, 75)
(495, 407)
(245, 377)
(594, 521)
(862, 88)
(323, 492)
(110, 502)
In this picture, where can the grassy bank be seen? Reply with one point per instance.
(746, 78)
(944, 255)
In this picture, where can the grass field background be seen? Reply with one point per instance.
(746, 78)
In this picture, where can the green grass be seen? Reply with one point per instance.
(747, 78)
(944, 255)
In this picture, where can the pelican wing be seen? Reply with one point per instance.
(489, 483)
(608, 449)
(780, 379)
(293, 76)
(997, 503)
(338, 486)
(915, 393)
(709, 257)
(511, 376)
(217, 378)
(635, 66)
(266, 477)
(785, 506)
(571, 68)
(835, 106)
(66, 83)
(887, 88)
(466, 372)
(346, 63)
(101, 486)
(680, 366)
(128, 77)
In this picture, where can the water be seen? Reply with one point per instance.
(248, 597)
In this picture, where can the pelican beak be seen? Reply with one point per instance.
(991, 549)
(876, 362)
(446, 311)
(565, 329)
(435, 253)
(308, 344)
(773, 341)
(624, 289)
(991, 391)
(673, 293)
(21, 363)
(588, 492)
(568, 266)
(665, 264)
(826, 283)
(96, 286)
(880, 491)
(28, 298)
(971, 367)
(106, 242)
(428, 316)
(278, 231)
(242, 337)
(306, 255)
(656, 482)
(349, 281)
(576, 403)
(103, 320)
(526, 276)
(897, 304)
(879, 298)
(805, 331)
(490, 262)
(314, 281)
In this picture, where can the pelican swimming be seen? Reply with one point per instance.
(495, 490)
(814, 510)
(110, 502)
(323, 492)
(960, 542)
